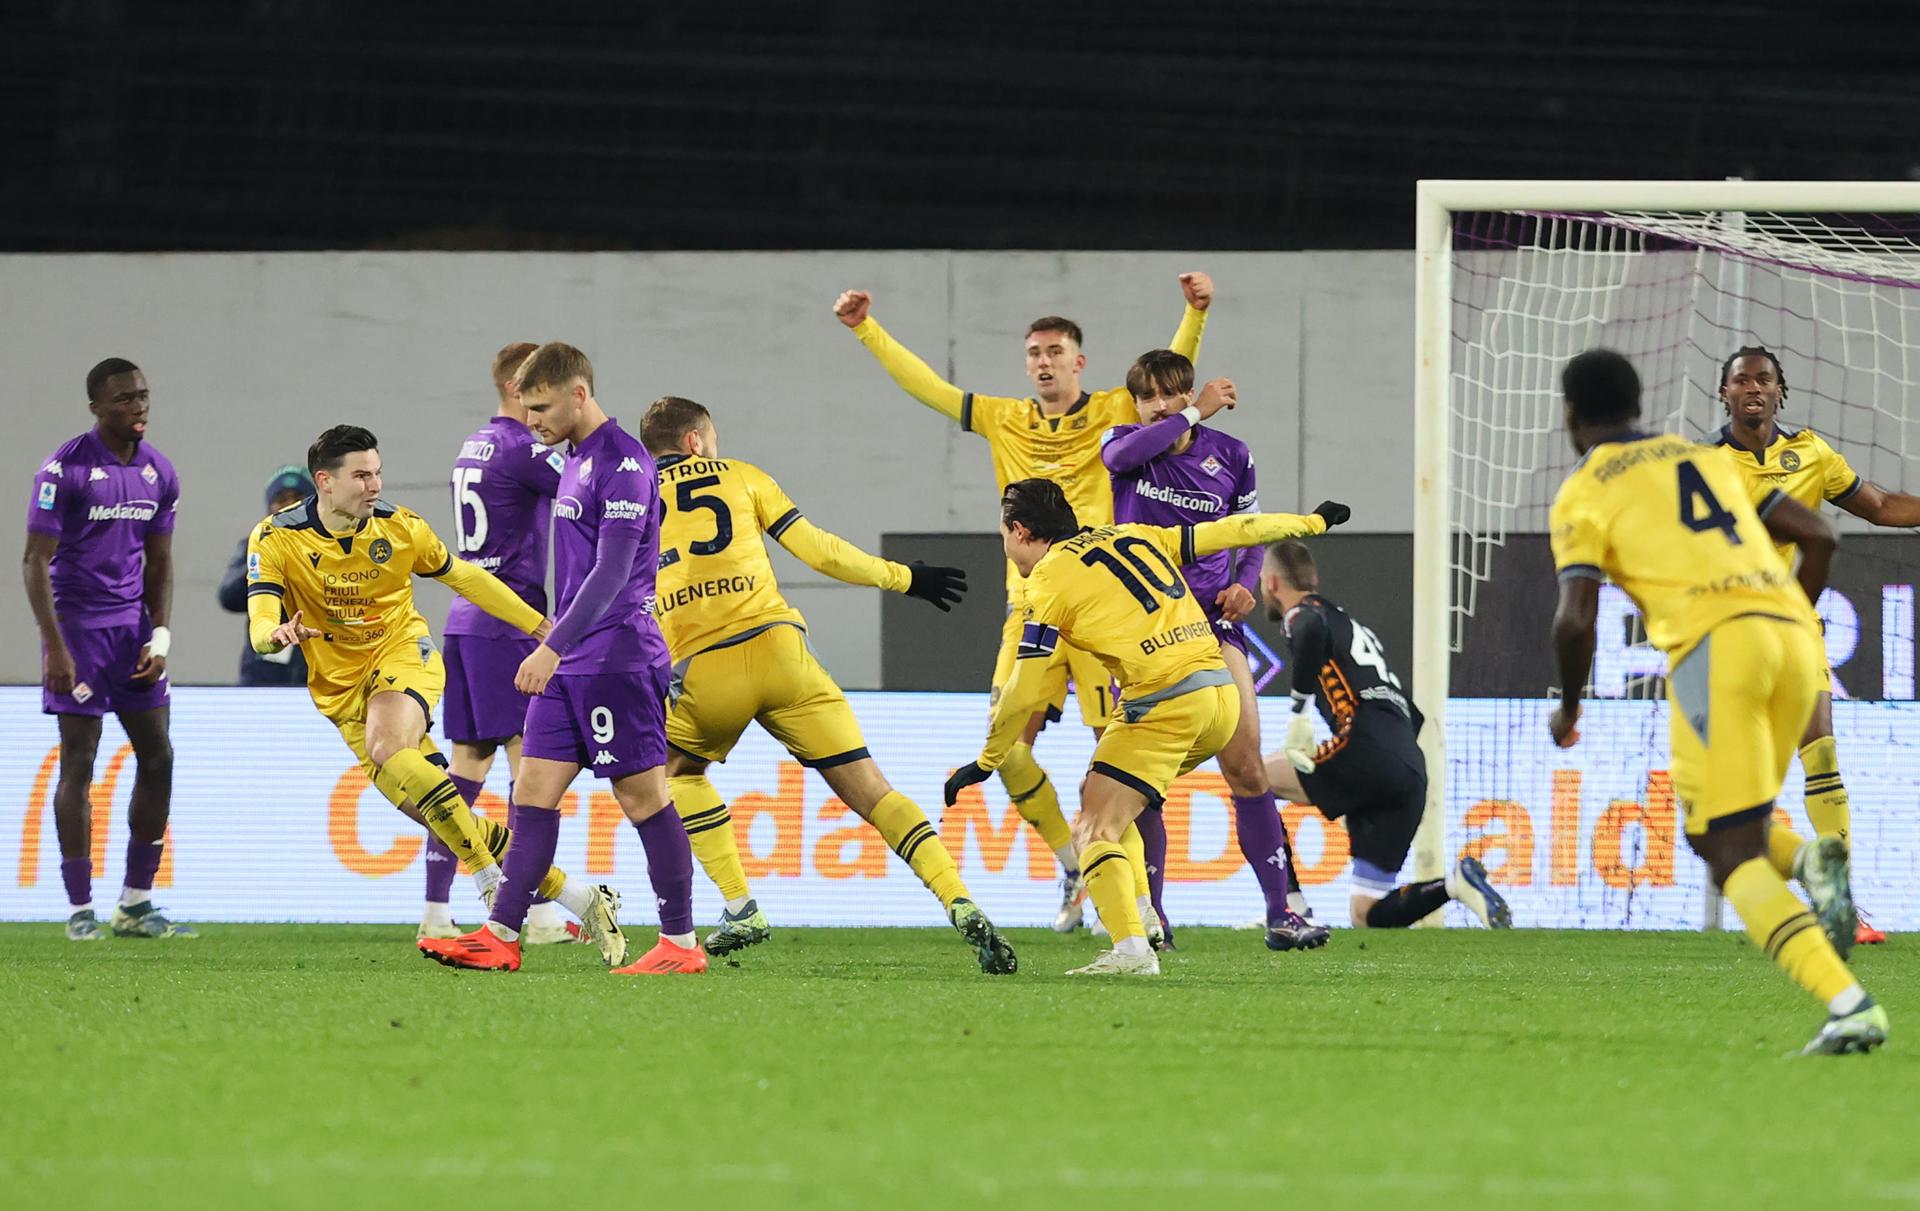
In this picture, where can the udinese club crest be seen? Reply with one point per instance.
(1789, 461)
(380, 551)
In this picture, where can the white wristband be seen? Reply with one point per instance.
(159, 643)
(1192, 414)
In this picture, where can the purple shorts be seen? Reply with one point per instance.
(103, 662)
(614, 724)
(481, 704)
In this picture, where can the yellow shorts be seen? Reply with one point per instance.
(1173, 738)
(1091, 681)
(1740, 701)
(415, 670)
(771, 677)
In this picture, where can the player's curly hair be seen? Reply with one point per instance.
(1161, 371)
(1040, 507)
(1602, 388)
(1779, 371)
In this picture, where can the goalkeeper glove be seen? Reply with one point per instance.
(942, 587)
(967, 775)
(1333, 512)
(1300, 744)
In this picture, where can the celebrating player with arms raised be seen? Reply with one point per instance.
(1117, 593)
(740, 655)
(503, 485)
(1772, 457)
(1168, 471)
(598, 679)
(1055, 434)
(1670, 523)
(345, 559)
(99, 570)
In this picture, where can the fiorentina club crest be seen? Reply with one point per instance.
(586, 467)
(1211, 466)
(149, 474)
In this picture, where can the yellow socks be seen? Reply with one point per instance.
(417, 779)
(1110, 885)
(1136, 848)
(1034, 798)
(1781, 925)
(907, 832)
(710, 831)
(1783, 846)
(1827, 807)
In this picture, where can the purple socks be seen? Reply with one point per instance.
(536, 833)
(1256, 823)
(669, 867)
(77, 874)
(143, 862)
(1152, 824)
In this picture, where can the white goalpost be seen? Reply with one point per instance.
(1513, 278)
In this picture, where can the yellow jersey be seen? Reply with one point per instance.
(715, 580)
(1669, 521)
(1116, 593)
(1797, 462)
(357, 590)
(1023, 440)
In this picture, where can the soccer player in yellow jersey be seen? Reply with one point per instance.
(1115, 591)
(1669, 522)
(1797, 462)
(334, 574)
(1054, 434)
(740, 654)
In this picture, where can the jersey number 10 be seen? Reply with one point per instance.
(1164, 578)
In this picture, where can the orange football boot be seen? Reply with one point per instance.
(1866, 935)
(481, 950)
(666, 959)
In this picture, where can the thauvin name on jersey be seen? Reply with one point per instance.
(1179, 634)
(706, 588)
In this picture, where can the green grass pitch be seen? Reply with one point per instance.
(331, 1066)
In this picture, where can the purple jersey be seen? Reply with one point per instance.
(503, 487)
(610, 484)
(102, 510)
(1209, 480)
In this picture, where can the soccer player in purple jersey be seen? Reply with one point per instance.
(1169, 471)
(504, 481)
(599, 681)
(99, 569)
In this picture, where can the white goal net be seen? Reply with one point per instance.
(1511, 290)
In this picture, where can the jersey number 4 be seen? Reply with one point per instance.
(687, 498)
(1163, 579)
(1700, 509)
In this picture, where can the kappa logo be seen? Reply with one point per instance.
(1211, 466)
(629, 464)
(313, 557)
(149, 474)
(96, 475)
(603, 757)
(53, 468)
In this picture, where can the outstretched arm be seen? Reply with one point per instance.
(914, 376)
(831, 555)
(491, 594)
(1258, 529)
(1881, 507)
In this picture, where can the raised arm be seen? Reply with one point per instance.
(1141, 444)
(1198, 288)
(1258, 529)
(914, 376)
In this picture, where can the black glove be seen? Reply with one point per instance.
(1333, 511)
(967, 775)
(943, 587)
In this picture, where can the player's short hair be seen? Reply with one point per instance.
(1602, 387)
(506, 363)
(331, 448)
(1294, 561)
(1779, 372)
(668, 421)
(1040, 506)
(1161, 371)
(98, 376)
(555, 364)
(1056, 323)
